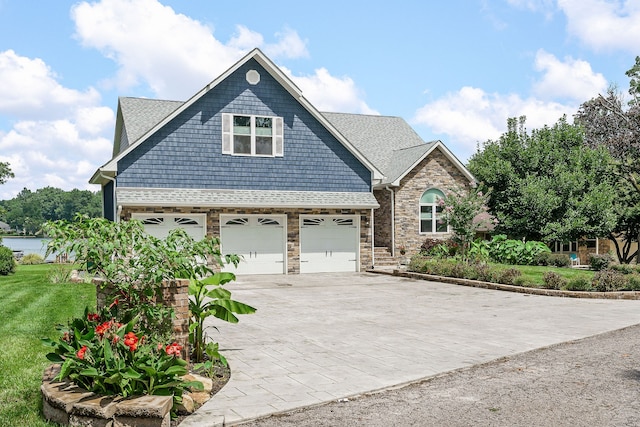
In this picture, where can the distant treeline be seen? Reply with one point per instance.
(29, 209)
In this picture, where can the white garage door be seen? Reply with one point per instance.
(159, 225)
(329, 243)
(258, 239)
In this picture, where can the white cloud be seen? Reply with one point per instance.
(173, 54)
(604, 25)
(330, 93)
(471, 115)
(572, 79)
(29, 89)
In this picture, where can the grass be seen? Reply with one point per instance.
(534, 273)
(31, 308)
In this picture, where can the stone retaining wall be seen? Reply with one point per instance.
(67, 404)
(627, 295)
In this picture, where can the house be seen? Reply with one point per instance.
(289, 188)
(4, 227)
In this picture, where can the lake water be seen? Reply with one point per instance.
(28, 245)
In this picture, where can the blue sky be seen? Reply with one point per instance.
(455, 70)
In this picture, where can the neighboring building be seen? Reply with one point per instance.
(4, 227)
(289, 188)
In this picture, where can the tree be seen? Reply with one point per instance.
(608, 124)
(29, 209)
(460, 208)
(5, 172)
(547, 185)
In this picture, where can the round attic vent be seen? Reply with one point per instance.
(253, 77)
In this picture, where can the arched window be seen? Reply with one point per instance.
(431, 212)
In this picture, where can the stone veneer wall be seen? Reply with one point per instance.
(382, 218)
(175, 294)
(435, 171)
(293, 226)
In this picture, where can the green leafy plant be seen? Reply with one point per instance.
(209, 298)
(59, 274)
(213, 359)
(516, 252)
(107, 357)
(7, 261)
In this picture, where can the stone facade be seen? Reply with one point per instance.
(435, 171)
(293, 226)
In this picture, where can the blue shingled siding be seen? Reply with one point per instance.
(187, 152)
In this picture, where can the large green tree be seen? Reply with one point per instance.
(613, 123)
(30, 209)
(547, 184)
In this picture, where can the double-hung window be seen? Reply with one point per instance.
(431, 220)
(250, 135)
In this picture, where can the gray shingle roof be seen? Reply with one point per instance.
(244, 198)
(388, 142)
(141, 114)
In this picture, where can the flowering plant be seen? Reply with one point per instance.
(102, 355)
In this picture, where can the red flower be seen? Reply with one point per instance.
(93, 317)
(173, 349)
(115, 339)
(101, 329)
(131, 341)
(115, 302)
(81, 352)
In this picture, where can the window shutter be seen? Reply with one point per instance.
(226, 133)
(279, 137)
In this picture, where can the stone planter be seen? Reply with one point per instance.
(69, 405)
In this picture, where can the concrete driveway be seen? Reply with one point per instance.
(323, 337)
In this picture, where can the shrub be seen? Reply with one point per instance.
(543, 258)
(518, 252)
(600, 262)
(633, 282)
(623, 268)
(485, 272)
(7, 261)
(59, 274)
(523, 281)
(31, 259)
(609, 281)
(509, 276)
(439, 247)
(553, 280)
(578, 283)
(559, 260)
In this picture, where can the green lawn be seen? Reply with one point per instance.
(30, 308)
(534, 273)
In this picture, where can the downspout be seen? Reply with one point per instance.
(373, 242)
(393, 221)
(117, 213)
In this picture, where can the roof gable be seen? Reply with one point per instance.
(144, 129)
(390, 143)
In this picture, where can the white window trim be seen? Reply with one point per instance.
(277, 135)
(434, 220)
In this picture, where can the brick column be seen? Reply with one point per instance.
(174, 294)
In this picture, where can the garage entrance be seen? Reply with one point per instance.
(259, 239)
(329, 243)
